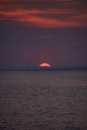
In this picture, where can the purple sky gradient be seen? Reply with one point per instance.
(37, 31)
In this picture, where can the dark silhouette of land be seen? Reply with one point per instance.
(58, 69)
(47, 69)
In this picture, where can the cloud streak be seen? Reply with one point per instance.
(45, 18)
(45, 13)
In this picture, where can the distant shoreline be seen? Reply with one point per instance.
(49, 69)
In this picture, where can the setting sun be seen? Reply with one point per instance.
(44, 65)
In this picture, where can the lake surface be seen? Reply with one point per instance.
(41, 100)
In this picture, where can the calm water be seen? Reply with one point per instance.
(43, 100)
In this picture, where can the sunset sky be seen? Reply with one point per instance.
(37, 31)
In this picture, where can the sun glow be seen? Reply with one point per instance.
(44, 65)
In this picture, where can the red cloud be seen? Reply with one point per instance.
(35, 17)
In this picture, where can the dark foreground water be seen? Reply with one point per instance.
(43, 100)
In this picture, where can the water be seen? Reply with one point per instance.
(43, 100)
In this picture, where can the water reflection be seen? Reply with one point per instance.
(43, 100)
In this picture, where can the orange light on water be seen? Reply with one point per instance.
(44, 65)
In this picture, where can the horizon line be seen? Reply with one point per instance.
(46, 69)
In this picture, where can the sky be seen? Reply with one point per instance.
(37, 31)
